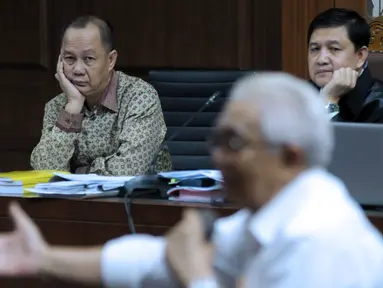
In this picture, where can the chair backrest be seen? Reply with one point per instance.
(376, 30)
(182, 94)
(375, 58)
(375, 64)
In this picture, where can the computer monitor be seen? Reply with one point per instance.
(358, 161)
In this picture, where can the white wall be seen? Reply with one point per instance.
(378, 7)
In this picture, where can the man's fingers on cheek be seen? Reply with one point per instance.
(352, 78)
(347, 78)
(351, 74)
(183, 231)
(337, 75)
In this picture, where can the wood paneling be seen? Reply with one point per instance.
(358, 5)
(24, 33)
(188, 34)
(267, 35)
(26, 78)
(214, 34)
(296, 18)
(22, 105)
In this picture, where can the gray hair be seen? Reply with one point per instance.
(290, 112)
(104, 27)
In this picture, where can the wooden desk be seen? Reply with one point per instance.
(93, 222)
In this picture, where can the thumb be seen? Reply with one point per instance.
(20, 219)
(190, 214)
(210, 250)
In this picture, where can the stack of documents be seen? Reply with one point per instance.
(15, 183)
(195, 194)
(80, 185)
(10, 187)
(191, 185)
(194, 185)
(193, 174)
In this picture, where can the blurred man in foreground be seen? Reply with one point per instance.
(299, 227)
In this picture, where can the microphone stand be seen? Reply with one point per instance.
(152, 184)
(210, 101)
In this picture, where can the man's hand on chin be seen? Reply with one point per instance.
(343, 80)
(22, 251)
(74, 97)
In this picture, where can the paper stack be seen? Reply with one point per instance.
(193, 174)
(80, 185)
(194, 185)
(9, 187)
(15, 183)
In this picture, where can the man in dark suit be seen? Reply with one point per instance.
(337, 60)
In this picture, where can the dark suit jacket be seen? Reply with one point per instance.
(362, 104)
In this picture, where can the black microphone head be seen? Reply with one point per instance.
(213, 97)
(208, 218)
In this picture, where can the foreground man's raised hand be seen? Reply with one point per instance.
(22, 250)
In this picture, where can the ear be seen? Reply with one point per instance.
(362, 57)
(112, 59)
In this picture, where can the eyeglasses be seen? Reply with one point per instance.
(234, 139)
(228, 139)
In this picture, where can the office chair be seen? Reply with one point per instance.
(182, 93)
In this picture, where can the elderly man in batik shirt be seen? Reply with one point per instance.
(104, 122)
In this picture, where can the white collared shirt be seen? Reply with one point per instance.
(311, 235)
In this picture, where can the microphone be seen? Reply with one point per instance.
(152, 181)
(152, 184)
(210, 101)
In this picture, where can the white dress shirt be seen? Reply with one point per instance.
(311, 235)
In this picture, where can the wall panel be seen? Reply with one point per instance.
(24, 33)
(296, 18)
(358, 5)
